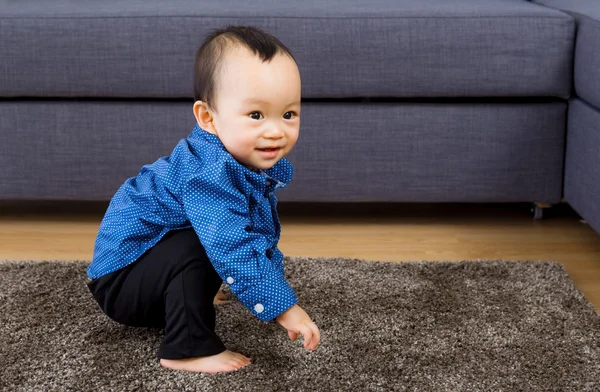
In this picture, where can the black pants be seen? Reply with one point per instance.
(172, 286)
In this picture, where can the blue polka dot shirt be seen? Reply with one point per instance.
(231, 208)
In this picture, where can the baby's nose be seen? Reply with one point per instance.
(274, 133)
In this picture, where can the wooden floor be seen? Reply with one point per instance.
(386, 232)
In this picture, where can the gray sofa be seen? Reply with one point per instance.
(582, 163)
(404, 100)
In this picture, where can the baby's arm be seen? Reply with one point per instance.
(220, 216)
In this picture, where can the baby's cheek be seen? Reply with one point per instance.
(243, 147)
(249, 143)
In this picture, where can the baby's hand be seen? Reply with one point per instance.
(296, 321)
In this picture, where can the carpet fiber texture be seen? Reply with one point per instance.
(417, 326)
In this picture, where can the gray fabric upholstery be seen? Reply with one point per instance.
(582, 166)
(582, 161)
(346, 152)
(422, 146)
(430, 153)
(345, 48)
(587, 52)
(587, 61)
(70, 150)
(589, 8)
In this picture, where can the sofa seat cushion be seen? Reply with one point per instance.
(349, 152)
(345, 48)
(587, 49)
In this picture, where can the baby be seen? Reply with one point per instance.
(207, 213)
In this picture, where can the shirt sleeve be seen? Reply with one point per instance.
(220, 216)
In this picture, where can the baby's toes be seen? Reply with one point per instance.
(237, 363)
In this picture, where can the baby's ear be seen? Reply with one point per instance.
(204, 117)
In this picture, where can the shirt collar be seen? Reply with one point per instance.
(279, 176)
(207, 136)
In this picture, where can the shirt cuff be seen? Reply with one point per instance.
(269, 298)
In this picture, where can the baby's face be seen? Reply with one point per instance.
(258, 107)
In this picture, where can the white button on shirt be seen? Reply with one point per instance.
(230, 280)
(259, 308)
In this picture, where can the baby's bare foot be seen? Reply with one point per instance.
(220, 298)
(227, 361)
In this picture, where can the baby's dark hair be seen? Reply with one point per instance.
(215, 46)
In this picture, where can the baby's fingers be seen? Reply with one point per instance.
(316, 336)
(307, 334)
(293, 335)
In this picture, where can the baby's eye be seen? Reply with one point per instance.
(256, 115)
(289, 115)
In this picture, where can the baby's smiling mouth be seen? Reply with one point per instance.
(269, 152)
(269, 149)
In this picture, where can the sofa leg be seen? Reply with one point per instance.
(538, 210)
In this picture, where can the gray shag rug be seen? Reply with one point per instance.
(414, 326)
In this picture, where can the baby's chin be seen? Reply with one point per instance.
(262, 164)
(259, 166)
